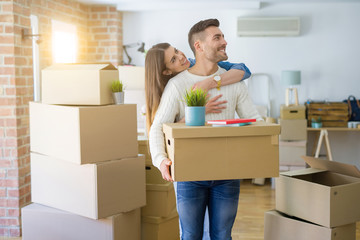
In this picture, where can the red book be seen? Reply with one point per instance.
(231, 121)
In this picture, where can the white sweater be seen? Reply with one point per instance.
(172, 108)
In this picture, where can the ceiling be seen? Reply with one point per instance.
(148, 5)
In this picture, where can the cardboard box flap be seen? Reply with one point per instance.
(301, 172)
(75, 66)
(180, 130)
(342, 168)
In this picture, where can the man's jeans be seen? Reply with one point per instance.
(221, 198)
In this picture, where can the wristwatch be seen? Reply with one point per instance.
(217, 78)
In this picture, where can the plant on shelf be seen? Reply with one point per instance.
(195, 100)
(316, 122)
(117, 88)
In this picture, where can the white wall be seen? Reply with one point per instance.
(327, 51)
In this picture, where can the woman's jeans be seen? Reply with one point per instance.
(220, 197)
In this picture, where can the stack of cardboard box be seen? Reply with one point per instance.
(88, 181)
(319, 203)
(159, 218)
(293, 137)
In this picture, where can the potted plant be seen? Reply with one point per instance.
(117, 89)
(316, 122)
(195, 100)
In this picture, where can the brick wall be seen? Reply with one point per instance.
(100, 39)
(105, 42)
(15, 92)
(65, 11)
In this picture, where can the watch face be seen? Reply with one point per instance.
(217, 78)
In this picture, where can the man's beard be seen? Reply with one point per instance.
(215, 56)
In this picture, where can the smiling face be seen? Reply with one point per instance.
(175, 61)
(214, 45)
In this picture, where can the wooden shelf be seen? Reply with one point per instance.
(335, 129)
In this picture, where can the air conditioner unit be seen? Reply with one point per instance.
(268, 26)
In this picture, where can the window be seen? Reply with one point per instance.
(64, 42)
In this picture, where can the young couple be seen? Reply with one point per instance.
(167, 77)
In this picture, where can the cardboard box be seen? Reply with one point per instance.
(143, 147)
(292, 112)
(278, 226)
(160, 200)
(153, 175)
(293, 129)
(91, 190)
(215, 153)
(133, 77)
(327, 194)
(83, 134)
(40, 222)
(159, 228)
(78, 84)
(137, 97)
(286, 168)
(291, 152)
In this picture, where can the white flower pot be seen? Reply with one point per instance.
(118, 97)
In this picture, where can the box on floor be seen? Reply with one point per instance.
(279, 226)
(293, 129)
(327, 194)
(65, 84)
(40, 222)
(160, 228)
(291, 152)
(83, 134)
(91, 190)
(160, 200)
(216, 153)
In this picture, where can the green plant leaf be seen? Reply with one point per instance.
(195, 97)
(117, 86)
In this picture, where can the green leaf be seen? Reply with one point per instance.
(117, 86)
(195, 97)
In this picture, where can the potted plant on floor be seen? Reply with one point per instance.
(195, 100)
(316, 122)
(117, 89)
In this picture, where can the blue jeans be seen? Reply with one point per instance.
(206, 232)
(220, 197)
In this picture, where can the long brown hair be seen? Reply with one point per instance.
(155, 80)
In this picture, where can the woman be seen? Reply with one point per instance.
(164, 61)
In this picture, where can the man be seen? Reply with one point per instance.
(221, 197)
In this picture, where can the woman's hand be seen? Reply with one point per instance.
(206, 84)
(164, 168)
(214, 106)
